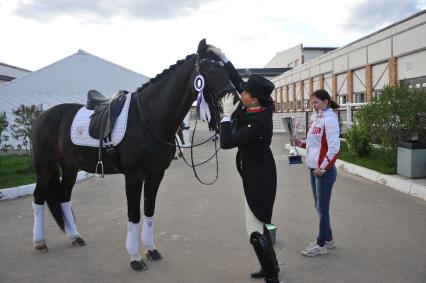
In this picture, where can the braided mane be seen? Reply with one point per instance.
(165, 72)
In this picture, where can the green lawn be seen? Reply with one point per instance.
(376, 160)
(15, 170)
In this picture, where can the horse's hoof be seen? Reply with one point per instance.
(40, 247)
(78, 242)
(153, 255)
(138, 265)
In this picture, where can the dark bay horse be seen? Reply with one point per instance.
(146, 151)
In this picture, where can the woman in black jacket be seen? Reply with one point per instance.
(251, 132)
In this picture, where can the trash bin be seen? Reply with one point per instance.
(411, 159)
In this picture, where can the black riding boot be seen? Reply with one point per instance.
(268, 237)
(260, 273)
(266, 256)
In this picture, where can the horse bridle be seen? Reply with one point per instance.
(215, 95)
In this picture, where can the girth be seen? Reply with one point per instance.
(102, 122)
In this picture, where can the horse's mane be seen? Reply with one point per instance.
(165, 72)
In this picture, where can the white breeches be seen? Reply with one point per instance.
(252, 223)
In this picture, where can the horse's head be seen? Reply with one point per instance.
(214, 78)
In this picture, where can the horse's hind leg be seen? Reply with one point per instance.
(38, 209)
(152, 183)
(69, 176)
(134, 182)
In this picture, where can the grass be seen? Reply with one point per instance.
(16, 170)
(376, 160)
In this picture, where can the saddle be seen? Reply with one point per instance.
(106, 112)
(102, 122)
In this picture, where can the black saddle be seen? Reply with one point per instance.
(106, 112)
(102, 122)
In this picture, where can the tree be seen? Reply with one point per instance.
(21, 129)
(3, 126)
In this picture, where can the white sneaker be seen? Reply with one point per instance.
(330, 244)
(314, 250)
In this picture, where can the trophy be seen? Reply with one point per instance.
(293, 126)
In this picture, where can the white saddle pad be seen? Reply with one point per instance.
(80, 127)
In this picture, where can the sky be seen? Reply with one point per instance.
(148, 36)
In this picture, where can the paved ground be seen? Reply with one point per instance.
(379, 232)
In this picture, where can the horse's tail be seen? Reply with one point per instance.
(53, 198)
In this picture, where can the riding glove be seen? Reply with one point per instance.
(228, 104)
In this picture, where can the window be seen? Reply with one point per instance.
(342, 99)
(359, 97)
(298, 104)
(306, 103)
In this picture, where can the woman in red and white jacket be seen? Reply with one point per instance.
(322, 149)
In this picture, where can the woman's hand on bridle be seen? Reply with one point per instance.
(228, 104)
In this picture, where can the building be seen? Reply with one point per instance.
(9, 72)
(360, 70)
(296, 56)
(268, 73)
(67, 81)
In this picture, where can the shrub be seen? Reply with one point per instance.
(359, 141)
(397, 115)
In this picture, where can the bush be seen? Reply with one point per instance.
(359, 141)
(397, 115)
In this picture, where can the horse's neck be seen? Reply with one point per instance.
(166, 103)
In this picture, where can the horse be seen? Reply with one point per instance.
(155, 112)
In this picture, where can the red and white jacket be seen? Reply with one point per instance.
(322, 143)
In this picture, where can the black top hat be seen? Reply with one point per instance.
(259, 87)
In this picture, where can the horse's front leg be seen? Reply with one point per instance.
(134, 182)
(152, 183)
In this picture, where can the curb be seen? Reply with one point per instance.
(20, 191)
(402, 184)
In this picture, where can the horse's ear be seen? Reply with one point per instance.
(202, 48)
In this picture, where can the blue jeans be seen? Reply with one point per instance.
(321, 189)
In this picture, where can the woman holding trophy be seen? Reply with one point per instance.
(322, 148)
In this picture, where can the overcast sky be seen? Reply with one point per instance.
(148, 36)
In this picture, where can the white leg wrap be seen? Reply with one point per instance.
(38, 229)
(186, 139)
(147, 234)
(70, 228)
(252, 223)
(132, 240)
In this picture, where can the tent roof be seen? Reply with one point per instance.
(68, 80)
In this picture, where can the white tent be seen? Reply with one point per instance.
(67, 81)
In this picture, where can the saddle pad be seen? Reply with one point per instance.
(80, 127)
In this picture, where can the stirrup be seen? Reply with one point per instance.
(102, 170)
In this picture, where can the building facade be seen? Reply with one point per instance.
(355, 73)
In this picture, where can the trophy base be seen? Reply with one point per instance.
(294, 159)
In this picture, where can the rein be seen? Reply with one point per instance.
(199, 88)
